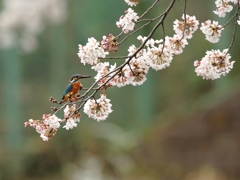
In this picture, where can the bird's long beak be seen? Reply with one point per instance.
(85, 77)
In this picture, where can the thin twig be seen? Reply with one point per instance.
(141, 20)
(138, 29)
(149, 9)
(88, 88)
(163, 29)
(121, 57)
(185, 19)
(237, 8)
(235, 28)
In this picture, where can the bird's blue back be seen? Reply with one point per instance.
(68, 89)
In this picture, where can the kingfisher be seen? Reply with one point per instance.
(73, 87)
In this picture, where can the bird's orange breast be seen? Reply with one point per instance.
(76, 87)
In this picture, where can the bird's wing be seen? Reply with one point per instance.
(68, 89)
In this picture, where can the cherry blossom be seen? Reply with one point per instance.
(98, 109)
(52, 121)
(109, 43)
(72, 117)
(120, 79)
(175, 44)
(132, 2)
(212, 31)
(158, 57)
(127, 22)
(102, 70)
(91, 52)
(222, 7)
(71, 123)
(188, 29)
(137, 69)
(214, 64)
(46, 127)
(136, 72)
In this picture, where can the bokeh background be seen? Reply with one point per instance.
(176, 126)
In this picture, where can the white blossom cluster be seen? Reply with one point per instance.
(157, 54)
(91, 52)
(176, 44)
(102, 70)
(214, 64)
(137, 69)
(186, 28)
(98, 109)
(52, 121)
(223, 7)
(212, 30)
(109, 43)
(121, 78)
(22, 20)
(158, 57)
(136, 72)
(46, 127)
(127, 21)
(132, 2)
(71, 116)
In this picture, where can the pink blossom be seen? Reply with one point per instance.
(212, 31)
(98, 109)
(132, 2)
(189, 28)
(127, 22)
(91, 52)
(214, 64)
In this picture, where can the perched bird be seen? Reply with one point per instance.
(73, 87)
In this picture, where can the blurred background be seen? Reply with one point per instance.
(176, 126)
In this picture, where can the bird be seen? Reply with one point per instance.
(73, 87)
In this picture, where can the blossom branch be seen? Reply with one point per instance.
(155, 54)
(117, 70)
(138, 29)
